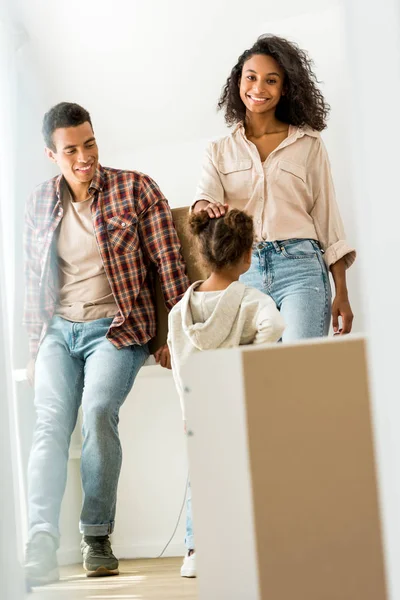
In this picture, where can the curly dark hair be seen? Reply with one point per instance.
(222, 240)
(302, 104)
(64, 114)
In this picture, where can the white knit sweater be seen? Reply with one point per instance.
(224, 319)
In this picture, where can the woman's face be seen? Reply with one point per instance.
(261, 84)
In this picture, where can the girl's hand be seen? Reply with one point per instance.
(341, 308)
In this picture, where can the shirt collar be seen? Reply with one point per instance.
(97, 182)
(59, 181)
(293, 130)
(98, 179)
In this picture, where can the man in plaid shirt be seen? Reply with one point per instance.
(93, 236)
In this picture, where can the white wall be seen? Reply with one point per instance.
(374, 31)
(150, 73)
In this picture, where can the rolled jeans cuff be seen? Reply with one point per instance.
(97, 530)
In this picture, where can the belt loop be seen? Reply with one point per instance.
(277, 247)
(259, 246)
(317, 246)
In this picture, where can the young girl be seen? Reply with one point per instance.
(275, 166)
(219, 312)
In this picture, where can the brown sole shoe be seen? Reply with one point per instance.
(101, 572)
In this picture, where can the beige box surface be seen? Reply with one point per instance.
(313, 473)
(283, 472)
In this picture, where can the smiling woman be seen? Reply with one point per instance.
(274, 165)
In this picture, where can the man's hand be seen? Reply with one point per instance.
(163, 357)
(30, 372)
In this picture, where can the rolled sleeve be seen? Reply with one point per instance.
(325, 213)
(340, 249)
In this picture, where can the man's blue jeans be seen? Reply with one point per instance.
(77, 365)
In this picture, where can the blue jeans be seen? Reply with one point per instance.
(294, 274)
(76, 364)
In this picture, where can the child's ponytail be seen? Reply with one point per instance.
(222, 240)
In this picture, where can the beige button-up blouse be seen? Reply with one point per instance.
(290, 195)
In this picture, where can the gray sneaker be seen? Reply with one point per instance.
(41, 565)
(98, 558)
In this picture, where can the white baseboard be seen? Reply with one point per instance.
(148, 550)
(71, 556)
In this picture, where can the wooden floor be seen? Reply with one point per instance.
(138, 579)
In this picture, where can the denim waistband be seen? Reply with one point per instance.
(277, 244)
(105, 321)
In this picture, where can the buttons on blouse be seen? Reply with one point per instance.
(123, 224)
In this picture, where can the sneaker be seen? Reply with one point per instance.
(188, 569)
(98, 559)
(41, 565)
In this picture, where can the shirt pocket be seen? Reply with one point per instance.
(290, 186)
(236, 179)
(295, 170)
(122, 233)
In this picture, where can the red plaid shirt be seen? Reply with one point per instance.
(134, 230)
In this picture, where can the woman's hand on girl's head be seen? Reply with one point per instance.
(216, 209)
(341, 308)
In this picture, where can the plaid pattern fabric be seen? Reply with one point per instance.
(134, 230)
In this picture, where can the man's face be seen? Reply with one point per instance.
(76, 153)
